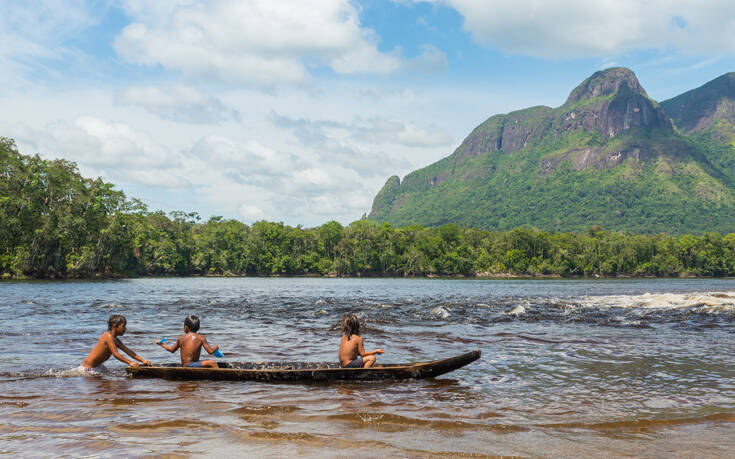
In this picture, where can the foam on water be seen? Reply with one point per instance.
(517, 311)
(440, 311)
(704, 302)
(68, 373)
(36, 373)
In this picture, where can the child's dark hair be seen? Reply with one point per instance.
(192, 322)
(350, 325)
(115, 320)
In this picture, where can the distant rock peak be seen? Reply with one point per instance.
(614, 102)
(605, 83)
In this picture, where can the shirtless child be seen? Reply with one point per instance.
(108, 345)
(352, 354)
(191, 345)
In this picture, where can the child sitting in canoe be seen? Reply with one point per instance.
(352, 354)
(107, 346)
(191, 344)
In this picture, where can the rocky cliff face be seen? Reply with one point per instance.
(609, 102)
(384, 200)
(701, 109)
(706, 115)
(603, 84)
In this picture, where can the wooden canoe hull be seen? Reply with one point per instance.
(287, 372)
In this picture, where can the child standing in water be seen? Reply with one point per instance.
(108, 345)
(352, 354)
(191, 344)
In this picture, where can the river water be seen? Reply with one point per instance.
(569, 368)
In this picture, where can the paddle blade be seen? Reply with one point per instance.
(218, 353)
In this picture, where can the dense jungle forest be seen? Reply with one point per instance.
(54, 223)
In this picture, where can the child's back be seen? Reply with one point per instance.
(351, 349)
(191, 344)
(191, 347)
(348, 349)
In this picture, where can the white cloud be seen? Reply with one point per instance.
(375, 130)
(114, 150)
(245, 162)
(34, 36)
(251, 213)
(325, 205)
(155, 178)
(431, 59)
(298, 197)
(156, 12)
(379, 130)
(312, 177)
(258, 42)
(42, 25)
(118, 145)
(179, 103)
(293, 171)
(353, 145)
(580, 28)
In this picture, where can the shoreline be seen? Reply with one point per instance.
(478, 276)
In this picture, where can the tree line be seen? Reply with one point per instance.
(54, 223)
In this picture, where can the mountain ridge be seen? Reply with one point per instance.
(696, 110)
(608, 129)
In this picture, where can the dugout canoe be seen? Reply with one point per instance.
(305, 371)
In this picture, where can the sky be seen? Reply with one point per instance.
(298, 111)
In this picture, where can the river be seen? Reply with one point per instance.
(630, 367)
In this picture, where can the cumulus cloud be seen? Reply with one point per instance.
(254, 41)
(245, 162)
(179, 103)
(114, 150)
(251, 213)
(326, 205)
(244, 177)
(352, 145)
(331, 144)
(386, 131)
(230, 175)
(580, 28)
(296, 194)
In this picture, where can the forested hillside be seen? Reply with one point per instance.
(54, 223)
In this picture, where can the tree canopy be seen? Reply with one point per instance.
(54, 223)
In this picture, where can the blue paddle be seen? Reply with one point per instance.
(217, 353)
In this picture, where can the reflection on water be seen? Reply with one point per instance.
(569, 368)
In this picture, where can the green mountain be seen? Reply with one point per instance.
(707, 109)
(707, 116)
(609, 156)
